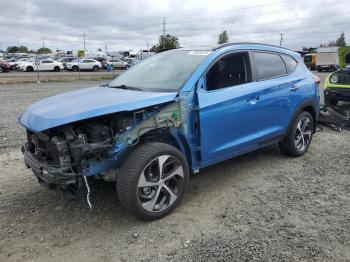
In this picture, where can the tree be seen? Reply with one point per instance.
(44, 50)
(17, 49)
(166, 42)
(341, 40)
(331, 43)
(100, 50)
(223, 38)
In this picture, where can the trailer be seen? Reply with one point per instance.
(327, 59)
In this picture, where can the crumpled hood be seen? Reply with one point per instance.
(87, 103)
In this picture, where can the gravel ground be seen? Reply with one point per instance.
(261, 206)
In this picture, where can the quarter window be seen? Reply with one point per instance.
(46, 61)
(230, 70)
(291, 64)
(269, 65)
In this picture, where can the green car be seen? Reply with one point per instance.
(337, 87)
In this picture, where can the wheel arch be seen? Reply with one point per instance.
(308, 106)
(169, 136)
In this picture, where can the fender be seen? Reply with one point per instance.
(308, 105)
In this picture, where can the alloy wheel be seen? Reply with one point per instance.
(303, 134)
(160, 183)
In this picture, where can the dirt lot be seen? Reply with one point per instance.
(262, 206)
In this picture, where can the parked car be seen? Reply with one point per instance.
(104, 61)
(84, 64)
(41, 65)
(337, 87)
(171, 114)
(65, 60)
(4, 66)
(119, 64)
(14, 64)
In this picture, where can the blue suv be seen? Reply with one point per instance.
(172, 114)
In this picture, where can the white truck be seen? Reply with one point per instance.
(327, 59)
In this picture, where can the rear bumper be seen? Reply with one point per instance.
(340, 94)
(50, 176)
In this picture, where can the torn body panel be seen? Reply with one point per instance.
(96, 147)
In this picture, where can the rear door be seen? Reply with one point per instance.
(45, 65)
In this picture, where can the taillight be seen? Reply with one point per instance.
(317, 79)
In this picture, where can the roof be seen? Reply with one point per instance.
(247, 43)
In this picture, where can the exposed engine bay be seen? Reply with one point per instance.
(61, 156)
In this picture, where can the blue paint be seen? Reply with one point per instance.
(230, 121)
(87, 103)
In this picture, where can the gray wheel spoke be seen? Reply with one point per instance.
(299, 126)
(144, 183)
(161, 161)
(176, 171)
(307, 133)
(304, 123)
(303, 143)
(149, 205)
(298, 140)
(173, 196)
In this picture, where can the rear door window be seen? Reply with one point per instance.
(268, 65)
(290, 62)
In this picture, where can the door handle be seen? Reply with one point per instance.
(253, 101)
(293, 88)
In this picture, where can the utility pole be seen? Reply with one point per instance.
(147, 46)
(163, 33)
(281, 39)
(84, 44)
(43, 42)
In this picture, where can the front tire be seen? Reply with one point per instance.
(56, 69)
(95, 68)
(152, 180)
(30, 69)
(299, 137)
(2, 70)
(75, 69)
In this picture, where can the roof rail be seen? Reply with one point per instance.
(251, 43)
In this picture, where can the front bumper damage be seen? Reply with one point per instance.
(50, 176)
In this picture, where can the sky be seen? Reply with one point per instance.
(132, 25)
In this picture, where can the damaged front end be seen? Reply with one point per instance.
(61, 157)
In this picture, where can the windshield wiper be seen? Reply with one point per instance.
(125, 87)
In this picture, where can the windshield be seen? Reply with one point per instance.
(164, 72)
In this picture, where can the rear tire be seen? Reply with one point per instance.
(29, 69)
(75, 69)
(56, 69)
(299, 137)
(152, 180)
(95, 68)
(2, 70)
